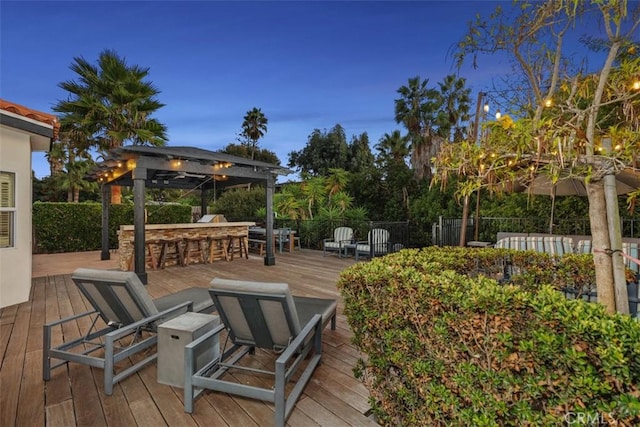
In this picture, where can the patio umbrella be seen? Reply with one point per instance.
(627, 181)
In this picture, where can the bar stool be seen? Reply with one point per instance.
(151, 258)
(170, 251)
(218, 248)
(194, 246)
(241, 247)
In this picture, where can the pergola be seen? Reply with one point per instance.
(189, 168)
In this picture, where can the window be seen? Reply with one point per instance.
(7, 208)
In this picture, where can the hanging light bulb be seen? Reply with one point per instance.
(636, 85)
(548, 102)
(498, 114)
(486, 108)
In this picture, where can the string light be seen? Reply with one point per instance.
(498, 114)
(548, 102)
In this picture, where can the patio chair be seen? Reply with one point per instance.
(266, 316)
(377, 244)
(120, 299)
(341, 236)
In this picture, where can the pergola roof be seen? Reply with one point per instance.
(181, 167)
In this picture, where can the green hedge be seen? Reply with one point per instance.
(447, 349)
(74, 227)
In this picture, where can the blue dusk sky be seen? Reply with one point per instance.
(307, 65)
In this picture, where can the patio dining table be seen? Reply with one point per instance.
(280, 236)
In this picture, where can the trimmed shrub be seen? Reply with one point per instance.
(444, 348)
(75, 227)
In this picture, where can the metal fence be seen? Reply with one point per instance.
(313, 232)
(446, 232)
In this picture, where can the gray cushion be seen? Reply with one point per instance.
(273, 313)
(308, 307)
(119, 296)
(202, 302)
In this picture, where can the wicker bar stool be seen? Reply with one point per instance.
(237, 243)
(151, 254)
(218, 248)
(171, 251)
(194, 246)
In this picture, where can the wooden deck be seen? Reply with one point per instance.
(75, 396)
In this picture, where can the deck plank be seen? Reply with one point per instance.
(61, 414)
(13, 365)
(5, 334)
(8, 314)
(164, 398)
(316, 411)
(31, 398)
(83, 385)
(75, 393)
(117, 410)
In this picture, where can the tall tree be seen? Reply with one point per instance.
(392, 156)
(566, 139)
(253, 128)
(393, 146)
(455, 108)
(417, 109)
(324, 151)
(112, 102)
(56, 157)
(73, 178)
(360, 157)
(241, 150)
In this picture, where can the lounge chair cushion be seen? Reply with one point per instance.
(273, 313)
(307, 307)
(123, 301)
(202, 302)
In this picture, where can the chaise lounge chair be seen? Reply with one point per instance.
(267, 316)
(120, 299)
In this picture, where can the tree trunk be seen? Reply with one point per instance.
(116, 195)
(601, 243)
(463, 224)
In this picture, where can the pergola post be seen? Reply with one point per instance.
(139, 176)
(204, 198)
(270, 258)
(106, 195)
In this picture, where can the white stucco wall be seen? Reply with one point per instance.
(15, 262)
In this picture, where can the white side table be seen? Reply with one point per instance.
(173, 335)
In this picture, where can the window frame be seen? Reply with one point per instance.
(9, 207)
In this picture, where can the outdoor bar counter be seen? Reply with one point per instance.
(171, 231)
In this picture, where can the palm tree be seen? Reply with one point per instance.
(342, 201)
(394, 146)
(315, 192)
(74, 178)
(253, 128)
(57, 157)
(336, 181)
(288, 206)
(113, 103)
(455, 108)
(417, 110)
